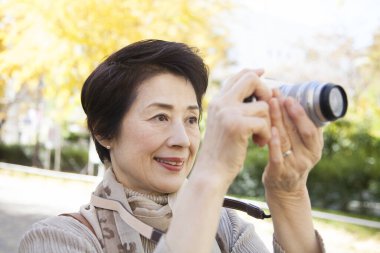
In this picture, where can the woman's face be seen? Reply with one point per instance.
(159, 137)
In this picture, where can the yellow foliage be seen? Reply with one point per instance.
(61, 41)
(366, 111)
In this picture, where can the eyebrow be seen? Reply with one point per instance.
(170, 107)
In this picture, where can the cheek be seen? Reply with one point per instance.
(148, 141)
(195, 138)
(138, 141)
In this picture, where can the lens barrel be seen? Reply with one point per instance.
(323, 102)
(333, 102)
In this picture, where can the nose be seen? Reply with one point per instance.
(178, 136)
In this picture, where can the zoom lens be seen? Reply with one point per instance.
(323, 102)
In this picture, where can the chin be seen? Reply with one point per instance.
(171, 187)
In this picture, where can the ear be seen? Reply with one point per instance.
(107, 143)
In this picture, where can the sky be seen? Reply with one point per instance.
(260, 25)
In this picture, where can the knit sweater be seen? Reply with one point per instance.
(62, 234)
(65, 234)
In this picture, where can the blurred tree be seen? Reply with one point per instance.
(50, 47)
(3, 101)
(61, 41)
(333, 58)
(325, 58)
(374, 56)
(349, 169)
(350, 166)
(367, 108)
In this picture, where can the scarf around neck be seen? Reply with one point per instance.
(115, 235)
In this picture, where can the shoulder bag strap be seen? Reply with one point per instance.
(79, 217)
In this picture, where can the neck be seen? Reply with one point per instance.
(157, 198)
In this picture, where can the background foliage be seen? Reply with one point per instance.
(347, 178)
(48, 48)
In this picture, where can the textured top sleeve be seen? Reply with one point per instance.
(234, 236)
(238, 236)
(59, 235)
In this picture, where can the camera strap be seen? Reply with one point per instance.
(155, 234)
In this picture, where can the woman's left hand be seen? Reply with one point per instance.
(295, 147)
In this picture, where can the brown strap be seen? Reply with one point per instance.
(79, 217)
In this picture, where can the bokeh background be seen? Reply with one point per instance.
(48, 48)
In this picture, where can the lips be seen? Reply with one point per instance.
(171, 163)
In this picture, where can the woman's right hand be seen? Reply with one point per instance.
(231, 122)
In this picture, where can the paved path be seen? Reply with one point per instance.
(13, 225)
(26, 199)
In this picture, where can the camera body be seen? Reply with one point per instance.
(323, 102)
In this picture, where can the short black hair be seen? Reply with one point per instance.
(110, 90)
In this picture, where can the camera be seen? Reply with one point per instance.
(323, 102)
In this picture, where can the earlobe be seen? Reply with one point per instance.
(104, 142)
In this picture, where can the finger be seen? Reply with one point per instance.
(257, 108)
(309, 133)
(259, 129)
(277, 121)
(232, 80)
(276, 93)
(275, 152)
(260, 140)
(249, 84)
(289, 126)
(259, 72)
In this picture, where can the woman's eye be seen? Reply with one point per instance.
(161, 117)
(193, 120)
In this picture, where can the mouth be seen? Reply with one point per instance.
(171, 163)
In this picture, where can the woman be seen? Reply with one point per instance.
(143, 106)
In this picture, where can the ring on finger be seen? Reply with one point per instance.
(287, 153)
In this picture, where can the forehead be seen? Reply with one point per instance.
(166, 88)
